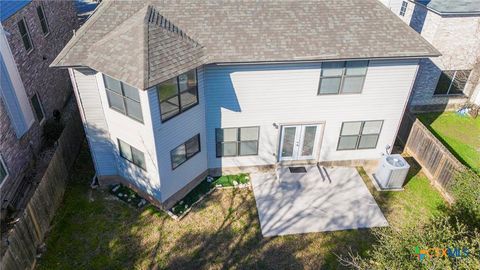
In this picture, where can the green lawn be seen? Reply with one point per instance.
(461, 135)
(94, 230)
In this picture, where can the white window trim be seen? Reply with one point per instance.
(28, 34)
(6, 170)
(46, 20)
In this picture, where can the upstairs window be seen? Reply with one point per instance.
(452, 82)
(342, 77)
(233, 142)
(43, 19)
(403, 8)
(132, 154)
(178, 94)
(185, 151)
(3, 170)
(123, 98)
(359, 135)
(37, 108)
(24, 33)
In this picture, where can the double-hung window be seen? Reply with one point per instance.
(342, 77)
(178, 94)
(123, 98)
(43, 19)
(132, 154)
(233, 142)
(3, 170)
(359, 135)
(24, 33)
(37, 108)
(185, 151)
(403, 8)
(452, 82)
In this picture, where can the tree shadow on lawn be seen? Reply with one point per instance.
(94, 230)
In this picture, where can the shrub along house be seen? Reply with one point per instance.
(172, 91)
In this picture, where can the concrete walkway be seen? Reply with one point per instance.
(322, 199)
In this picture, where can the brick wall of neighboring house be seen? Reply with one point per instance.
(52, 85)
(458, 39)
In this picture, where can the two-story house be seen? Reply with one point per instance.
(32, 33)
(170, 91)
(452, 27)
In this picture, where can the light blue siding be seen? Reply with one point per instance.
(174, 132)
(11, 102)
(96, 128)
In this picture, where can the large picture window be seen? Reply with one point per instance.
(178, 94)
(24, 33)
(132, 154)
(359, 135)
(342, 77)
(233, 142)
(3, 170)
(123, 98)
(185, 151)
(452, 82)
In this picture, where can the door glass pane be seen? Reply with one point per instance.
(178, 156)
(368, 141)
(125, 150)
(138, 158)
(332, 68)
(193, 146)
(134, 109)
(372, 127)
(229, 149)
(131, 92)
(309, 140)
(169, 107)
(167, 89)
(330, 85)
(115, 101)
(352, 84)
(288, 141)
(356, 67)
(248, 148)
(351, 128)
(112, 84)
(249, 134)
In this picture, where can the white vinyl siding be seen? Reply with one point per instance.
(95, 124)
(270, 96)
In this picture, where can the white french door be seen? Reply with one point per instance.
(299, 142)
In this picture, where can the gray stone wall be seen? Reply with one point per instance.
(52, 85)
(458, 39)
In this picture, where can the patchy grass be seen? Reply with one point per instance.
(460, 134)
(94, 231)
(204, 187)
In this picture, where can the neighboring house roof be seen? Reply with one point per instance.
(10, 7)
(452, 6)
(145, 42)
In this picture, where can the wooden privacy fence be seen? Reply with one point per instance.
(28, 233)
(437, 162)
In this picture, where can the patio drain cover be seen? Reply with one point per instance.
(297, 169)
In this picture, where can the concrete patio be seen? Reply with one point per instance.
(321, 199)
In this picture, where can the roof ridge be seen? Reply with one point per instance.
(153, 17)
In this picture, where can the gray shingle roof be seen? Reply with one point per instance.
(452, 6)
(145, 42)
